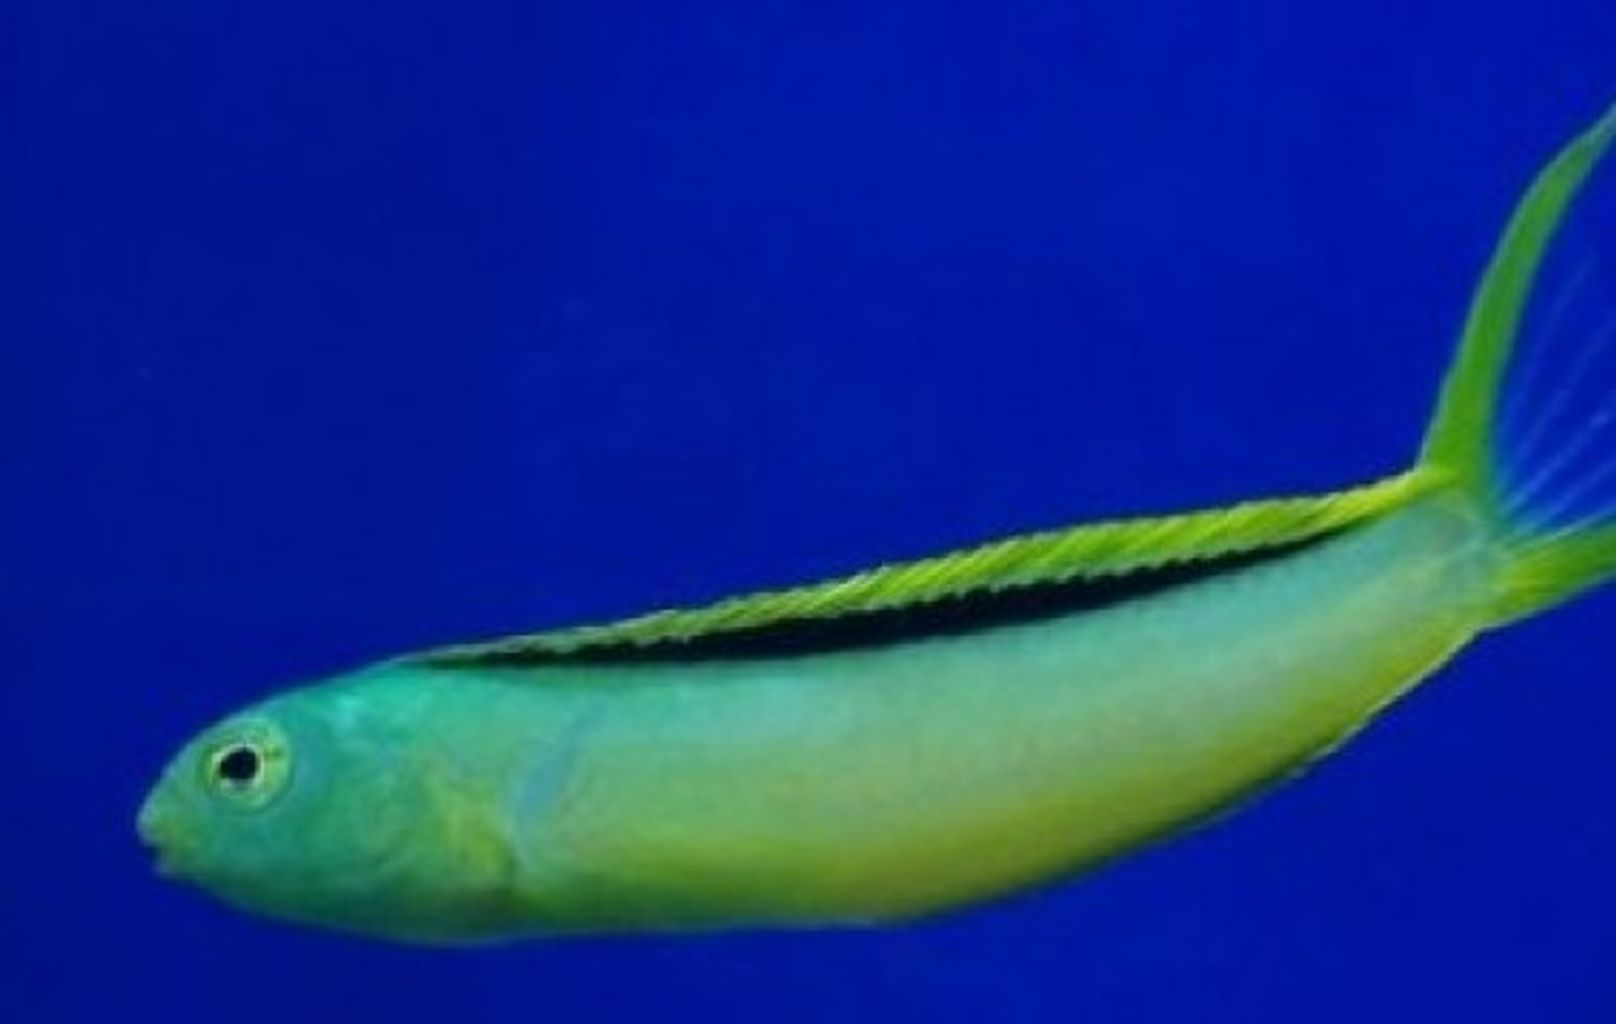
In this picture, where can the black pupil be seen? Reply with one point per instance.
(239, 765)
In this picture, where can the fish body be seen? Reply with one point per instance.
(907, 740)
(886, 782)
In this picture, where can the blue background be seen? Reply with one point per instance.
(330, 330)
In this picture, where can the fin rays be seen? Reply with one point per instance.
(1550, 334)
(1541, 428)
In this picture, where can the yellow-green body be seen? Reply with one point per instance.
(896, 780)
(903, 780)
(668, 773)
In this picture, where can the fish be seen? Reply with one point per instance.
(928, 735)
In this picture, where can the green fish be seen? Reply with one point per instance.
(912, 738)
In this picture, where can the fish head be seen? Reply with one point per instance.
(300, 808)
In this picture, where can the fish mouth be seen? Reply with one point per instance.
(157, 830)
(164, 864)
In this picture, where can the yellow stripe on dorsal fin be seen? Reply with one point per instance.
(1094, 551)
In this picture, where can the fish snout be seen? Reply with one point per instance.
(158, 826)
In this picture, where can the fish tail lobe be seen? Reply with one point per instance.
(1526, 423)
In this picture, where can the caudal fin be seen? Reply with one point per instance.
(1527, 420)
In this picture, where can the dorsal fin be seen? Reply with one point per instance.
(1102, 550)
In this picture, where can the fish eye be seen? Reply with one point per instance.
(249, 765)
(238, 765)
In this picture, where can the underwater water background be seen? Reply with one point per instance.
(333, 330)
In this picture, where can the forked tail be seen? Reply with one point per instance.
(1527, 420)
